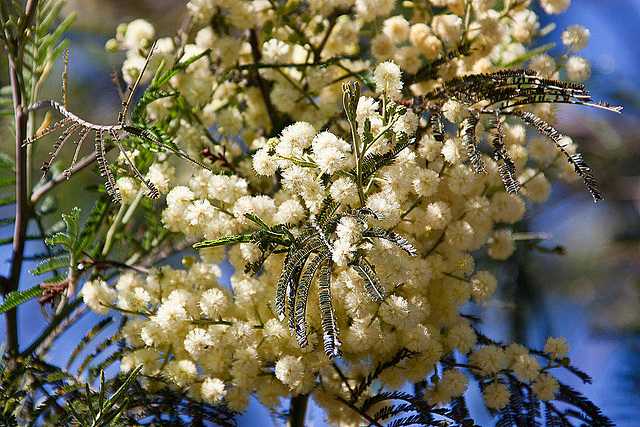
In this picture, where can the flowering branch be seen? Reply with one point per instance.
(305, 189)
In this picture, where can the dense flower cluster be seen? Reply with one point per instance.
(282, 129)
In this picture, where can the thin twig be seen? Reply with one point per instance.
(256, 55)
(117, 264)
(333, 19)
(364, 415)
(81, 164)
(334, 60)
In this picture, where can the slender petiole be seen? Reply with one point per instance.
(83, 135)
(131, 90)
(153, 191)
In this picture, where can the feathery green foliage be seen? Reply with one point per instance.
(496, 95)
(525, 409)
(109, 408)
(16, 298)
(32, 52)
(310, 254)
(95, 330)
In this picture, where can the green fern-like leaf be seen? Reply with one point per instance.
(7, 200)
(6, 102)
(328, 208)
(98, 409)
(51, 264)
(165, 406)
(389, 411)
(243, 238)
(585, 411)
(364, 385)
(327, 316)
(393, 237)
(98, 351)
(60, 239)
(371, 281)
(430, 71)
(155, 92)
(471, 144)
(45, 43)
(73, 226)
(14, 299)
(287, 283)
(371, 401)
(69, 238)
(58, 376)
(113, 359)
(509, 88)
(373, 162)
(302, 295)
(500, 92)
(576, 160)
(8, 181)
(300, 267)
(7, 221)
(93, 224)
(411, 420)
(117, 402)
(506, 167)
(41, 376)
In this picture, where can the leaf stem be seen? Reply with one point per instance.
(364, 415)
(415, 203)
(344, 379)
(347, 100)
(132, 208)
(112, 230)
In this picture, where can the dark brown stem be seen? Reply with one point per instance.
(104, 263)
(333, 18)
(364, 415)
(257, 56)
(344, 379)
(22, 211)
(297, 410)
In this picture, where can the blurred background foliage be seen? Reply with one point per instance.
(590, 295)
